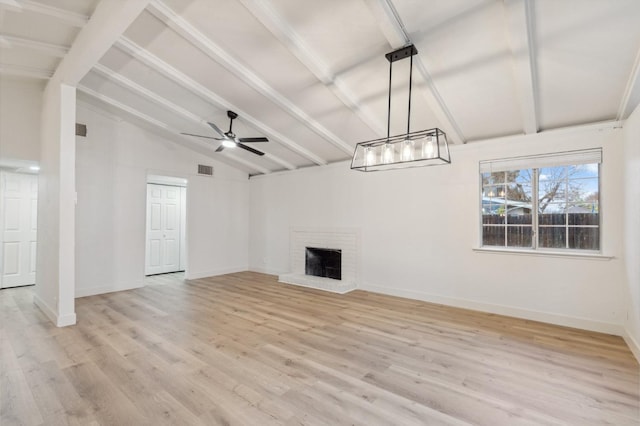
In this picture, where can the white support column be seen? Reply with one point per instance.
(55, 279)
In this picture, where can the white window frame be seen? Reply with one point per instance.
(535, 163)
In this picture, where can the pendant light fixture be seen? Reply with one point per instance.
(411, 149)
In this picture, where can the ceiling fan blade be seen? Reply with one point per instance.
(201, 136)
(259, 139)
(248, 148)
(220, 148)
(216, 128)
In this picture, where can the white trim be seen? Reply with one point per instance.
(631, 91)
(632, 343)
(538, 161)
(267, 271)
(71, 18)
(25, 71)
(554, 132)
(59, 321)
(324, 284)
(214, 273)
(541, 252)
(92, 291)
(51, 49)
(546, 317)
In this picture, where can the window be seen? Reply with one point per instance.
(543, 202)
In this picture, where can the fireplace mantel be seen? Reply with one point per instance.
(346, 240)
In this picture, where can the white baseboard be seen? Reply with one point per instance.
(551, 318)
(58, 320)
(223, 271)
(632, 343)
(267, 271)
(92, 291)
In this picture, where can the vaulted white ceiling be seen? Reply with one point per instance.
(312, 77)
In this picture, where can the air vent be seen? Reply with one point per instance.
(81, 130)
(205, 170)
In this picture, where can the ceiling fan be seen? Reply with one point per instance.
(229, 139)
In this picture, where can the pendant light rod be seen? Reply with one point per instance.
(389, 102)
(410, 84)
(397, 55)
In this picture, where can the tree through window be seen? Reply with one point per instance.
(546, 206)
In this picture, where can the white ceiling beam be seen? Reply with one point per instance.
(71, 18)
(10, 42)
(631, 96)
(264, 11)
(397, 35)
(519, 25)
(218, 54)
(109, 20)
(11, 5)
(200, 147)
(24, 71)
(188, 83)
(166, 104)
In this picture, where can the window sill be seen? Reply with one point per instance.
(547, 253)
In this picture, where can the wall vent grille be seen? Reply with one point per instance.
(81, 130)
(205, 170)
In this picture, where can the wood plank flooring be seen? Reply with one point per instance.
(242, 349)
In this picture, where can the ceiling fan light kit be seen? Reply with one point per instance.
(411, 149)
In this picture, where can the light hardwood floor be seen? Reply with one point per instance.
(244, 349)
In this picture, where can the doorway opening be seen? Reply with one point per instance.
(166, 225)
(18, 228)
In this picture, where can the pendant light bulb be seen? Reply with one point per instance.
(369, 156)
(428, 147)
(407, 150)
(388, 156)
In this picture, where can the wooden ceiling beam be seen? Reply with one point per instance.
(168, 105)
(197, 146)
(397, 35)
(264, 11)
(631, 95)
(108, 22)
(519, 26)
(11, 42)
(188, 83)
(24, 71)
(218, 54)
(70, 18)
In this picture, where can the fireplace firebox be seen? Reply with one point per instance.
(321, 262)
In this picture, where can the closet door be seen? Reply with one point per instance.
(163, 229)
(18, 229)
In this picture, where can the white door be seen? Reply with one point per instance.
(18, 229)
(163, 229)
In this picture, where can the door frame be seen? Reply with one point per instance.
(3, 174)
(181, 182)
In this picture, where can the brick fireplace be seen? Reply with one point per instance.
(347, 241)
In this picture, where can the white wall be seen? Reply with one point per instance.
(113, 162)
(632, 229)
(419, 227)
(20, 112)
